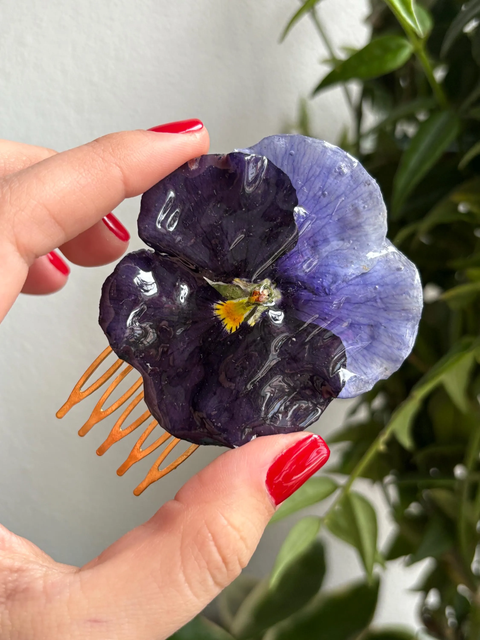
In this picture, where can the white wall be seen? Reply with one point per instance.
(71, 71)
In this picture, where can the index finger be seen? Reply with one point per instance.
(51, 202)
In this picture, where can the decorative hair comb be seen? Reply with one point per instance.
(270, 289)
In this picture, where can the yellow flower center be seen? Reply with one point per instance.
(247, 302)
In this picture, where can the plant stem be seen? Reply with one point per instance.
(471, 458)
(363, 463)
(422, 57)
(420, 52)
(474, 627)
(329, 47)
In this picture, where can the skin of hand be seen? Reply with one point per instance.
(157, 577)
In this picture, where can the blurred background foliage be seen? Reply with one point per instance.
(417, 435)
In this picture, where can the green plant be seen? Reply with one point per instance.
(419, 434)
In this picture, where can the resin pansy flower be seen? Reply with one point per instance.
(271, 289)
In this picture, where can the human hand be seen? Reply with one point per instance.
(157, 577)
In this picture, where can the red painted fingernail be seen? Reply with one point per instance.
(114, 225)
(295, 465)
(58, 263)
(182, 126)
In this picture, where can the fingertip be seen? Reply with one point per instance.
(114, 225)
(47, 274)
(104, 242)
(192, 125)
(267, 467)
(191, 134)
(58, 263)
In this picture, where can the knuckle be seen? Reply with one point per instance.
(110, 152)
(23, 158)
(24, 218)
(224, 548)
(41, 153)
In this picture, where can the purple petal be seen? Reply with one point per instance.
(154, 313)
(276, 377)
(343, 274)
(224, 216)
(203, 384)
(376, 314)
(341, 216)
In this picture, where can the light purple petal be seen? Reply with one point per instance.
(341, 216)
(343, 274)
(376, 314)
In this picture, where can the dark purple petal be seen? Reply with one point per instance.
(276, 377)
(224, 216)
(201, 383)
(154, 313)
(376, 314)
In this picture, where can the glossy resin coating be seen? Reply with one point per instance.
(269, 290)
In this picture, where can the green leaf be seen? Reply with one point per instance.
(228, 291)
(476, 46)
(406, 11)
(231, 598)
(389, 633)
(425, 20)
(446, 500)
(472, 97)
(447, 210)
(474, 113)
(376, 59)
(471, 10)
(265, 606)
(468, 193)
(472, 153)
(357, 432)
(201, 629)
(300, 537)
(354, 521)
(408, 109)
(461, 296)
(402, 421)
(400, 546)
(405, 232)
(432, 139)
(304, 9)
(304, 127)
(473, 274)
(435, 542)
(313, 491)
(456, 379)
(402, 418)
(339, 615)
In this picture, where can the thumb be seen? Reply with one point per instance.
(160, 575)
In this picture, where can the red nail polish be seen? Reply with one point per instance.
(182, 126)
(114, 225)
(295, 465)
(58, 263)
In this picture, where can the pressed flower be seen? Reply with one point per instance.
(271, 289)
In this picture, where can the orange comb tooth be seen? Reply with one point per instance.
(98, 412)
(77, 394)
(156, 473)
(118, 431)
(137, 453)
